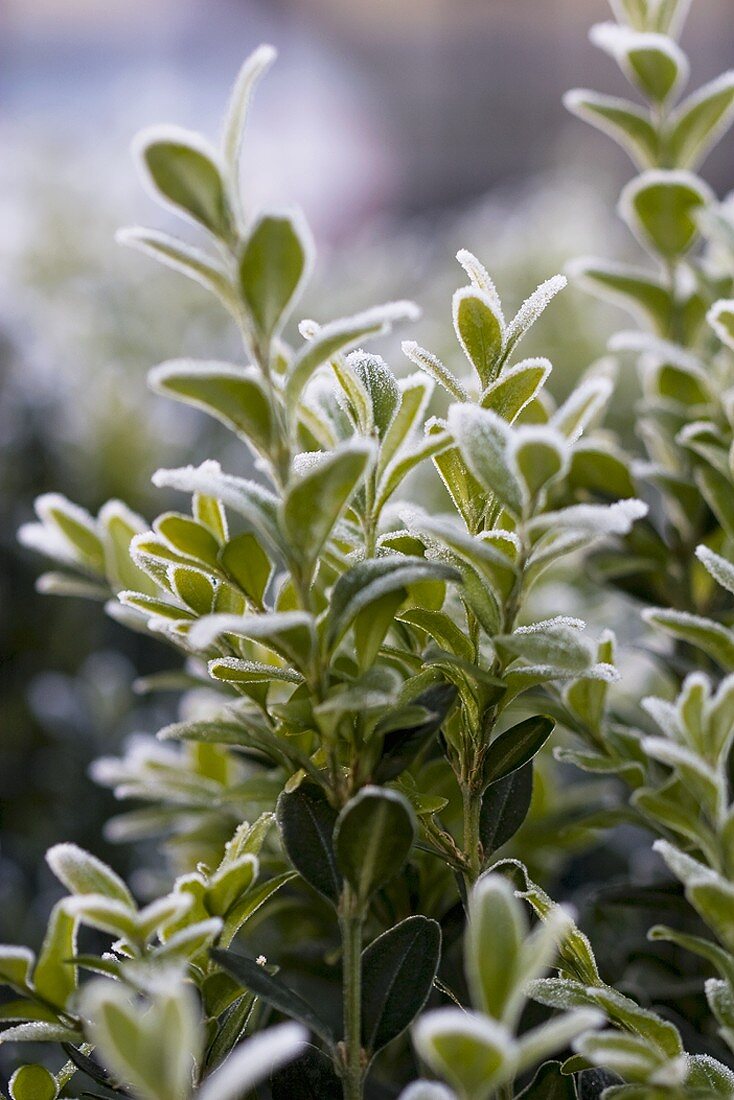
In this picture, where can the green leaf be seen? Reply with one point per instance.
(621, 120)
(373, 836)
(401, 746)
(705, 634)
(661, 207)
(340, 336)
(154, 1050)
(497, 928)
(398, 969)
(82, 873)
(274, 265)
(483, 439)
(306, 822)
(370, 580)
(640, 292)
(54, 978)
(76, 528)
(289, 633)
(653, 63)
(516, 388)
(33, 1083)
(531, 309)
(248, 565)
(505, 806)
(381, 387)
(181, 256)
(236, 396)
(480, 328)
(472, 1052)
(433, 366)
(516, 747)
(255, 65)
(315, 500)
(183, 171)
(256, 504)
(540, 455)
(272, 990)
(701, 121)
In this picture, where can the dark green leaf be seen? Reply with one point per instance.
(310, 1077)
(401, 746)
(549, 1084)
(516, 746)
(398, 969)
(306, 822)
(373, 837)
(271, 990)
(504, 808)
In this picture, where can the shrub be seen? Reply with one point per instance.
(373, 678)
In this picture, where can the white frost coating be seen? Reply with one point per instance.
(724, 330)
(81, 873)
(585, 403)
(48, 541)
(254, 1060)
(179, 255)
(433, 366)
(427, 1090)
(455, 1021)
(118, 510)
(663, 714)
(663, 350)
(253, 68)
(206, 631)
(619, 42)
(601, 519)
(462, 295)
(714, 88)
(533, 307)
(685, 867)
(194, 368)
(547, 626)
(720, 569)
(481, 279)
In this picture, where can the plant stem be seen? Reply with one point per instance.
(350, 923)
(472, 800)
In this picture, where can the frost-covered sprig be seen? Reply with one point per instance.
(511, 460)
(152, 950)
(480, 1052)
(665, 208)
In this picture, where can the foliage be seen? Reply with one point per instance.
(373, 677)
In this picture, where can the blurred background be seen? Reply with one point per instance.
(404, 129)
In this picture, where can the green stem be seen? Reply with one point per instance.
(350, 923)
(472, 800)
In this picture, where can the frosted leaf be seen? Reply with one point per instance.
(253, 1061)
(481, 279)
(721, 319)
(664, 714)
(427, 1090)
(532, 308)
(38, 1031)
(623, 43)
(433, 366)
(82, 873)
(46, 541)
(246, 497)
(254, 67)
(183, 257)
(206, 631)
(596, 519)
(664, 351)
(580, 409)
(560, 622)
(660, 235)
(720, 569)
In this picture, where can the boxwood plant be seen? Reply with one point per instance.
(368, 678)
